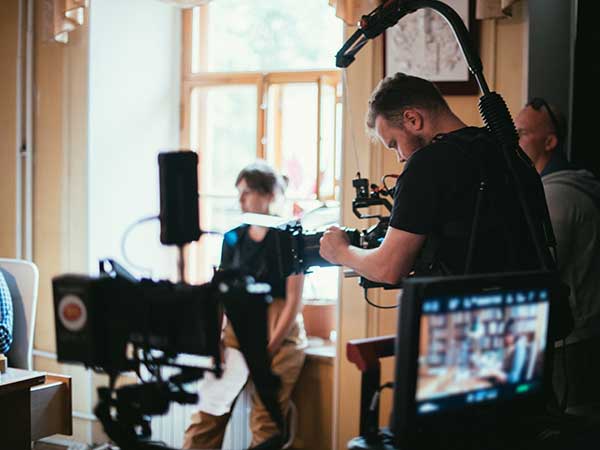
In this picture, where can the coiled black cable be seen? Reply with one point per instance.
(498, 120)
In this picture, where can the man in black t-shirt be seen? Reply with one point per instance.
(435, 200)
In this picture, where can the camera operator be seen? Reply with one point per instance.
(253, 250)
(438, 206)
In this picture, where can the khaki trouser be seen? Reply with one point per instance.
(207, 431)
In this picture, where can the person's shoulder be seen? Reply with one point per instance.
(239, 230)
(577, 180)
(466, 138)
(572, 188)
(233, 236)
(567, 176)
(444, 147)
(428, 153)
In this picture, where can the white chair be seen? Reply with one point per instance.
(22, 278)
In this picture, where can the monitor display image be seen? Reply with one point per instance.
(480, 348)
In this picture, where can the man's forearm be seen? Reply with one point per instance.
(369, 264)
(388, 263)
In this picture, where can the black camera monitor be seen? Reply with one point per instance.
(470, 351)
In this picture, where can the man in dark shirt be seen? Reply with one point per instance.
(435, 201)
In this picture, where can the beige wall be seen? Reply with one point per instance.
(60, 188)
(60, 173)
(9, 14)
(59, 180)
(502, 45)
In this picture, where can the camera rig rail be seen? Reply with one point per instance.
(368, 196)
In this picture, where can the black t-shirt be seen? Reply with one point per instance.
(436, 196)
(257, 259)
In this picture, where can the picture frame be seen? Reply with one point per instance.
(423, 44)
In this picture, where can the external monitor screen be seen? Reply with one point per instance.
(480, 348)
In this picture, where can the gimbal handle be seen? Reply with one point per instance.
(358, 204)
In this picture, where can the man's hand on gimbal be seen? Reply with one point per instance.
(334, 243)
(388, 263)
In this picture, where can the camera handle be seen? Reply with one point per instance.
(365, 199)
(358, 204)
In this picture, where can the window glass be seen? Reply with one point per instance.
(217, 214)
(338, 143)
(292, 136)
(273, 35)
(322, 285)
(300, 129)
(327, 141)
(223, 128)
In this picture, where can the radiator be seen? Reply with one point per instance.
(170, 427)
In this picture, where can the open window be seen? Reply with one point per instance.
(264, 87)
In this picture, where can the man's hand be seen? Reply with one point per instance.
(273, 347)
(333, 245)
(388, 263)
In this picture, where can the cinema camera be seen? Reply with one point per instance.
(115, 323)
(299, 248)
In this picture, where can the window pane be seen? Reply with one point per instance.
(327, 150)
(216, 214)
(321, 284)
(196, 40)
(271, 35)
(223, 129)
(292, 136)
(338, 143)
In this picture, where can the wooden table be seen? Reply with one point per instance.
(15, 407)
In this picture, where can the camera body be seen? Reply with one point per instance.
(298, 248)
(368, 196)
(98, 318)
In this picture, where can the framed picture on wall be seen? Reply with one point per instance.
(423, 44)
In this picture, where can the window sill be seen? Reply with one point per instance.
(320, 350)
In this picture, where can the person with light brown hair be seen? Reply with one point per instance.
(253, 250)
